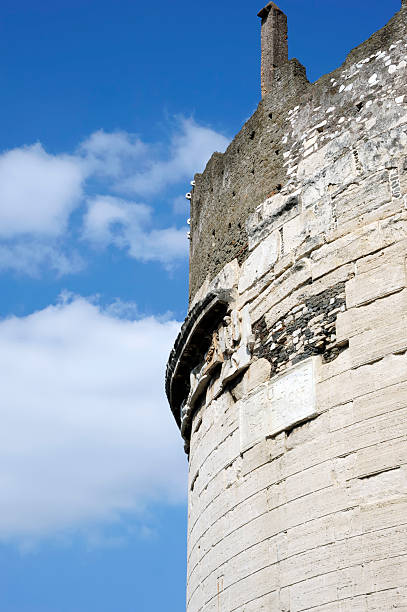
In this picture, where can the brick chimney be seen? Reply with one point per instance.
(274, 47)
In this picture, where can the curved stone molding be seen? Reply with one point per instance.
(214, 346)
(192, 343)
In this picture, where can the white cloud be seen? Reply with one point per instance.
(29, 256)
(189, 150)
(86, 432)
(38, 191)
(113, 154)
(127, 225)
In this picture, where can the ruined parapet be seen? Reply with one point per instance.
(289, 377)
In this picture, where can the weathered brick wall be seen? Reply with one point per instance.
(298, 466)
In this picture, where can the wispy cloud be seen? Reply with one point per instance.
(30, 255)
(39, 192)
(190, 147)
(113, 155)
(128, 225)
(86, 433)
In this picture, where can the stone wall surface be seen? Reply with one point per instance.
(295, 418)
(272, 153)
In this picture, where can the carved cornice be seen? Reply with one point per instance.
(192, 343)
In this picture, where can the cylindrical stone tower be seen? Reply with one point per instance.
(289, 377)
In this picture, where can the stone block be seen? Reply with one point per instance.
(270, 216)
(305, 432)
(373, 344)
(334, 391)
(343, 250)
(262, 604)
(372, 316)
(387, 514)
(376, 152)
(315, 592)
(388, 573)
(341, 416)
(313, 534)
(255, 586)
(383, 401)
(396, 253)
(287, 283)
(394, 229)
(259, 261)
(294, 233)
(390, 370)
(376, 283)
(286, 400)
(310, 564)
(380, 487)
(307, 481)
(316, 505)
(360, 198)
(258, 373)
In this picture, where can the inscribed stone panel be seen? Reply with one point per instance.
(280, 404)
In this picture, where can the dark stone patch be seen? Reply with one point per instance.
(304, 333)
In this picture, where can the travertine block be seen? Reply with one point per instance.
(304, 433)
(371, 316)
(278, 405)
(375, 152)
(307, 481)
(310, 564)
(334, 391)
(390, 370)
(257, 374)
(341, 416)
(373, 344)
(388, 573)
(314, 592)
(359, 198)
(259, 261)
(386, 514)
(377, 283)
(381, 457)
(343, 250)
(309, 535)
(291, 280)
(255, 586)
(382, 486)
(394, 254)
(394, 229)
(271, 215)
(318, 504)
(262, 604)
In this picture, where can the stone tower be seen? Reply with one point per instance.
(289, 377)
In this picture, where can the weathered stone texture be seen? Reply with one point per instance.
(296, 128)
(297, 437)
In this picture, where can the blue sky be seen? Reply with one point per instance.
(107, 110)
